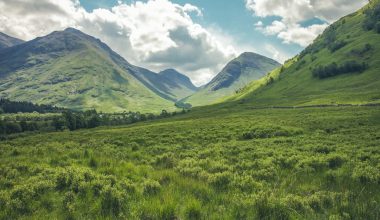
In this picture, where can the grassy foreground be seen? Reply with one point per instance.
(252, 164)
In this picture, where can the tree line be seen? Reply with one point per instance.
(49, 118)
(7, 106)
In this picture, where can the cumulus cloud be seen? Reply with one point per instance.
(293, 12)
(156, 34)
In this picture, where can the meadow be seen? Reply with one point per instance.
(219, 162)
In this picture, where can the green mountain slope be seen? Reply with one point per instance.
(8, 41)
(236, 75)
(74, 70)
(336, 58)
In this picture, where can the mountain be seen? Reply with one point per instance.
(169, 84)
(74, 70)
(234, 76)
(8, 41)
(340, 67)
(181, 84)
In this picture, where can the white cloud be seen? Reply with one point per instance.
(275, 28)
(278, 55)
(294, 12)
(156, 34)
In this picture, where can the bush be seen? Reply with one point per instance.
(193, 209)
(335, 160)
(366, 173)
(93, 163)
(151, 187)
(361, 51)
(268, 207)
(377, 27)
(165, 161)
(68, 201)
(334, 69)
(337, 45)
(221, 181)
(167, 211)
(111, 201)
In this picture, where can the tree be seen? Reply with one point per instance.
(70, 120)
(24, 125)
(58, 123)
(164, 113)
(94, 121)
(12, 127)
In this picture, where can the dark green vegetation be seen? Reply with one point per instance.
(231, 163)
(19, 117)
(354, 49)
(372, 21)
(234, 76)
(8, 41)
(334, 69)
(7, 106)
(74, 70)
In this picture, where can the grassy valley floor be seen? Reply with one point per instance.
(231, 163)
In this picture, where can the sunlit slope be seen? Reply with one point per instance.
(346, 41)
(74, 70)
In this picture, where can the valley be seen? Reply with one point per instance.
(84, 134)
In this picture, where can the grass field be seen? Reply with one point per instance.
(220, 162)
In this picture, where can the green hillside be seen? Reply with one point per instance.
(348, 43)
(73, 70)
(236, 75)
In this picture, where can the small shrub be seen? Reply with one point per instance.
(221, 181)
(167, 212)
(151, 187)
(337, 45)
(335, 160)
(111, 201)
(366, 173)
(165, 161)
(93, 163)
(68, 201)
(193, 210)
(267, 207)
(377, 27)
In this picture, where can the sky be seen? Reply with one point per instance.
(196, 37)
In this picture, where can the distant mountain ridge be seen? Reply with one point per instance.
(235, 75)
(74, 70)
(8, 41)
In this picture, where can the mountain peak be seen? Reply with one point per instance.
(8, 41)
(242, 66)
(173, 73)
(178, 77)
(235, 75)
